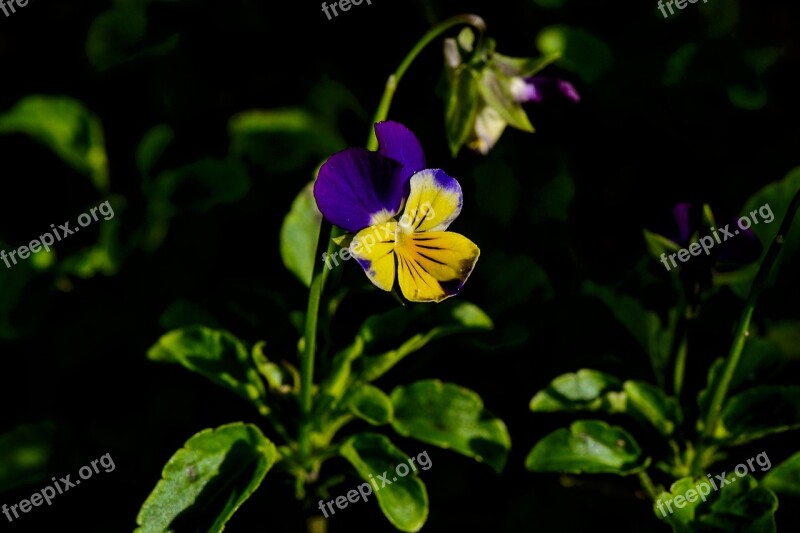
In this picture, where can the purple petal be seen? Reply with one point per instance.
(683, 218)
(399, 143)
(356, 188)
(568, 90)
(743, 249)
(540, 88)
(527, 90)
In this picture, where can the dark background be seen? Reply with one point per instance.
(633, 147)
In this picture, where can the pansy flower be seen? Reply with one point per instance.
(364, 192)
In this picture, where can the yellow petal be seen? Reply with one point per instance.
(435, 265)
(373, 248)
(434, 202)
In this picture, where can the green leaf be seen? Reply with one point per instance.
(207, 480)
(758, 412)
(463, 316)
(105, 256)
(518, 278)
(204, 184)
(699, 506)
(652, 404)
(461, 107)
(644, 325)
(591, 390)
(282, 140)
(742, 507)
(785, 336)
(66, 127)
(771, 203)
(584, 390)
(451, 417)
(497, 93)
(521, 66)
(114, 35)
(385, 325)
(339, 377)
(550, 4)
(25, 452)
(198, 187)
(748, 99)
(680, 513)
(678, 63)
(217, 355)
(405, 501)
(281, 379)
(760, 359)
(587, 447)
(152, 146)
(456, 318)
(658, 245)
(581, 52)
(119, 35)
(14, 282)
(554, 198)
(784, 478)
(371, 404)
(498, 190)
(299, 234)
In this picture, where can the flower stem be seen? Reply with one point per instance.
(394, 80)
(320, 274)
(318, 278)
(743, 329)
(647, 484)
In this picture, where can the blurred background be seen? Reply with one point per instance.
(140, 104)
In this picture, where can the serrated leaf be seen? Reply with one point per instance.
(207, 480)
(451, 417)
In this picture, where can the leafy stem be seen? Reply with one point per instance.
(743, 329)
(320, 274)
(394, 79)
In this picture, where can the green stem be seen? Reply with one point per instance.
(743, 329)
(318, 278)
(680, 365)
(648, 485)
(394, 80)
